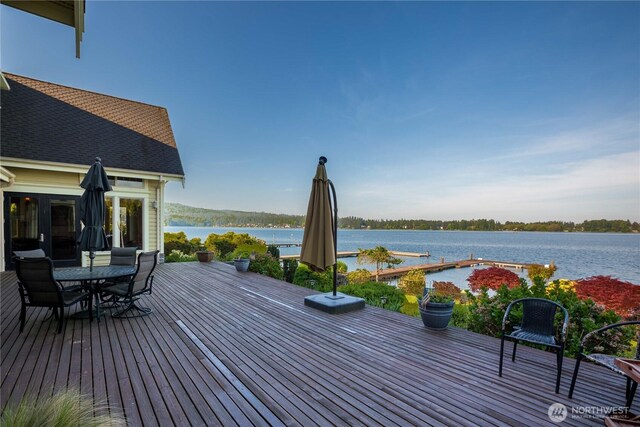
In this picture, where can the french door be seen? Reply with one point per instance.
(42, 221)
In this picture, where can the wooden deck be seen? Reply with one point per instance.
(228, 348)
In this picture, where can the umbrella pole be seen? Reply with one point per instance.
(335, 237)
(92, 255)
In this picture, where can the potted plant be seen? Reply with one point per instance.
(204, 255)
(241, 261)
(436, 306)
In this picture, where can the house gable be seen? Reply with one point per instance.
(46, 122)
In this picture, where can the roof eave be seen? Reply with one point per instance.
(76, 168)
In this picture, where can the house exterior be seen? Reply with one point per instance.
(49, 137)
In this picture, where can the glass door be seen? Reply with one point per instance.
(62, 219)
(40, 221)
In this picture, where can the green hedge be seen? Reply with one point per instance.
(372, 292)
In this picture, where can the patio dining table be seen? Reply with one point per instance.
(92, 278)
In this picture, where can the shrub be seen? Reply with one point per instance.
(537, 270)
(267, 265)
(304, 277)
(62, 409)
(492, 278)
(486, 313)
(274, 251)
(410, 306)
(460, 316)
(614, 294)
(178, 242)
(358, 276)
(412, 283)
(225, 244)
(179, 256)
(448, 289)
(289, 267)
(245, 250)
(371, 292)
(342, 267)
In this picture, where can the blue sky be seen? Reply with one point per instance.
(434, 110)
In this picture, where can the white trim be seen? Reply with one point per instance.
(44, 188)
(145, 224)
(8, 176)
(82, 169)
(115, 218)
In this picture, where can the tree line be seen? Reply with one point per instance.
(596, 226)
(181, 215)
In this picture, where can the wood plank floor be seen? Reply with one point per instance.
(228, 348)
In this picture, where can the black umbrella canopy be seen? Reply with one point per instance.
(92, 210)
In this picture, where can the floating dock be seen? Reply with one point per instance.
(353, 254)
(394, 273)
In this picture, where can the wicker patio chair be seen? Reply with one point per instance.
(606, 360)
(538, 327)
(140, 283)
(38, 288)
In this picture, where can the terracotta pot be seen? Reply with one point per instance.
(204, 256)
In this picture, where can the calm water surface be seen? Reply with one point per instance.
(577, 255)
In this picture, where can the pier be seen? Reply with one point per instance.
(285, 245)
(353, 254)
(394, 273)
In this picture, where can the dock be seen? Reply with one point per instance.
(285, 245)
(394, 273)
(353, 254)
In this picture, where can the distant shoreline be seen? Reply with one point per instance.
(264, 227)
(178, 215)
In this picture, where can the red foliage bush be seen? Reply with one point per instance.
(614, 294)
(492, 278)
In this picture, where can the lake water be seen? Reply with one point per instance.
(577, 255)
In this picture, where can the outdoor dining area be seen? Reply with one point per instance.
(227, 348)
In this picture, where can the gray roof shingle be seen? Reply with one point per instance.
(49, 122)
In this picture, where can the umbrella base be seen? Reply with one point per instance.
(341, 303)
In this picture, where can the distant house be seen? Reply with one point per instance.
(50, 135)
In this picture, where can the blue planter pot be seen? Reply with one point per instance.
(437, 315)
(241, 264)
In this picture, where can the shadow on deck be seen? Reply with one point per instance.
(228, 348)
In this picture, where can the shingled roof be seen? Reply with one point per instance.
(50, 122)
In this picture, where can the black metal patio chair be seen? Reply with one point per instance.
(38, 288)
(140, 283)
(33, 253)
(121, 257)
(606, 360)
(537, 327)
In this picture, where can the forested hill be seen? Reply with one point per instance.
(181, 215)
(177, 214)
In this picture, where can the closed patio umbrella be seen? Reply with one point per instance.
(92, 211)
(320, 242)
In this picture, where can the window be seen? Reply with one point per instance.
(130, 223)
(119, 181)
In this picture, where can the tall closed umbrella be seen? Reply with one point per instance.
(92, 211)
(320, 242)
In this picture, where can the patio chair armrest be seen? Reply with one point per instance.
(605, 328)
(506, 313)
(150, 283)
(565, 324)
